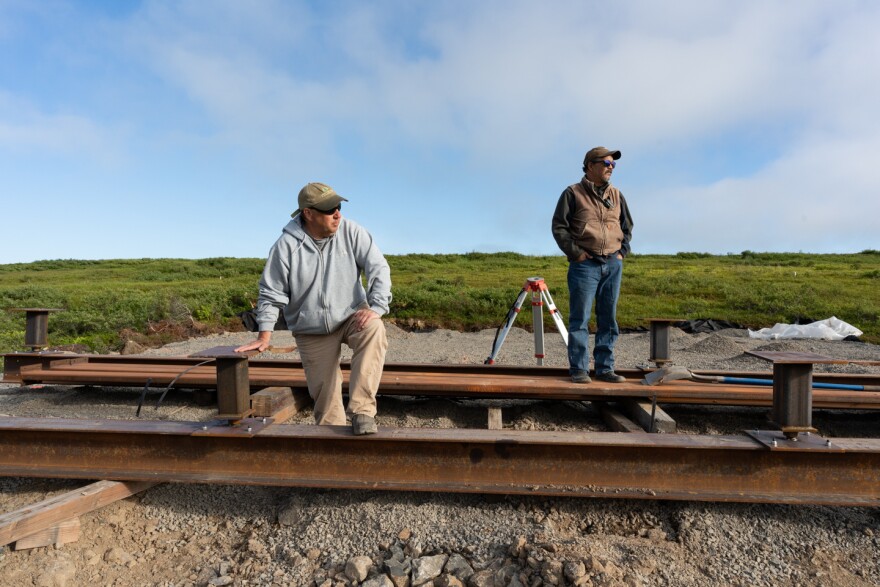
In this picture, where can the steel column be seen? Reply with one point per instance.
(36, 326)
(660, 340)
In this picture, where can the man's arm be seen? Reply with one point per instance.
(274, 295)
(376, 270)
(626, 225)
(560, 226)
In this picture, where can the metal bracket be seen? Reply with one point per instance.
(247, 427)
(776, 440)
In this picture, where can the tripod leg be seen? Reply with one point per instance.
(554, 313)
(538, 325)
(505, 328)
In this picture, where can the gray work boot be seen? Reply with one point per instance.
(611, 377)
(362, 424)
(580, 377)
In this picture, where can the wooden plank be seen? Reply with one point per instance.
(50, 512)
(614, 418)
(495, 422)
(268, 401)
(293, 401)
(62, 533)
(640, 411)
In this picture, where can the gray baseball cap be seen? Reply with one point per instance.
(317, 195)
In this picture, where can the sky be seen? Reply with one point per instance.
(185, 129)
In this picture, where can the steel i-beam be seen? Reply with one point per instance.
(586, 464)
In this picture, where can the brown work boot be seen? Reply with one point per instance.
(362, 424)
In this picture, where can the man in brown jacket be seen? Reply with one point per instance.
(592, 225)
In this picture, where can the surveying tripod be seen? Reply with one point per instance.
(540, 296)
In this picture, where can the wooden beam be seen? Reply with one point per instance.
(279, 403)
(495, 421)
(50, 512)
(614, 418)
(66, 531)
(640, 411)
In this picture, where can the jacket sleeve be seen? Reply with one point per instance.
(274, 287)
(561, 226)
(626, 224)
(376, 270)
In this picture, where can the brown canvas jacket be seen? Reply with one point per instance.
(582, 223)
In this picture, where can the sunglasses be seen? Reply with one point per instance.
(329, 212)
(611, 164)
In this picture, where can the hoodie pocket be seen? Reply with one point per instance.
(310, 322)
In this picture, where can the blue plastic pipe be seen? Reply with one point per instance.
(816, 384)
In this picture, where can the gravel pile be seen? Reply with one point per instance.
(180, 535)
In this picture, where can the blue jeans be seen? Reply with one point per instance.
(590, 280)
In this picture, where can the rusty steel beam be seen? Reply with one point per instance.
(15, 362)
(584, 464)
(407, 379)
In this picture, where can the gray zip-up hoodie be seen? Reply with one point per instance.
(319, 289)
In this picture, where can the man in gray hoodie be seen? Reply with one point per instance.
(313, 275)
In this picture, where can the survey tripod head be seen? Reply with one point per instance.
(540, 296)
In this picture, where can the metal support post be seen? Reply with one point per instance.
(233, 388)
(36, 327)
(792, 407)
(793, 398)
(233, 382)
(660, 340)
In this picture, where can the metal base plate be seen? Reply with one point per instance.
(804, 442)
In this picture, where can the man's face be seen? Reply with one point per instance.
(323, 224)
(599, 172)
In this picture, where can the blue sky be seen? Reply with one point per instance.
(186, 128)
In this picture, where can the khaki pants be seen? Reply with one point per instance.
(320, 357)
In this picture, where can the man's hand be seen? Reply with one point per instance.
(362, 316)
(260, 345)
(583, 257)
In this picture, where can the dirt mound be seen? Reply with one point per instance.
(716, 345)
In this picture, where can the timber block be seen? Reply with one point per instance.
(268, 401)
(640, 412)
(615, 419)
(62, 533)
(495, 420)
(279, 403)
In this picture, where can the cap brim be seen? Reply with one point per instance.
(330, 203)
(327, 204)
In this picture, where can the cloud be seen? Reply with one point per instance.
(24, 128)
(486, 108)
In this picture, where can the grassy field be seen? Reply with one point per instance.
(154, 301)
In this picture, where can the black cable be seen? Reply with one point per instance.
(181, 374)
(137, 414)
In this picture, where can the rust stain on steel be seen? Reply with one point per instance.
(705, 468)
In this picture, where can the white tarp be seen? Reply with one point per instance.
(828, 329)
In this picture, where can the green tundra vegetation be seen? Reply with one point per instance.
(154, 301)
